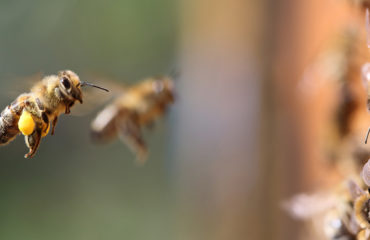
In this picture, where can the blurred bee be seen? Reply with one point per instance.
(334, 81)
(344, 63)
(138, 106)
(346, 212)
(366, 67)
(362, 201)
(32, 113)
(363, 4)
(362, 210)
(366, 78)
(333, 215)
(363, 235)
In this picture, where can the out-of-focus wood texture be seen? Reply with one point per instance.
(218, 132)
(246, 140)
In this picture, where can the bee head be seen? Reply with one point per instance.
(70, 84)
(162, 87)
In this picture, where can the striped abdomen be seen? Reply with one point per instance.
(9, 120)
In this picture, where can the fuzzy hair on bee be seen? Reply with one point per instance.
(137, 107)
(362, 210)
(32, 114)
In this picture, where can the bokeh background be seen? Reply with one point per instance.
(241, 138)
(73, 189)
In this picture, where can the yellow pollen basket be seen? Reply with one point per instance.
(26, 124)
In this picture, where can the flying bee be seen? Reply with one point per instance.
(32, 113)
(138, 106)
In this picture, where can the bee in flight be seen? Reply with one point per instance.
(138, 106)
(32, 113)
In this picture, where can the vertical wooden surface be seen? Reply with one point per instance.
(219, 121)
(246, 140)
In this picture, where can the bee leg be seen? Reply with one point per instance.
(68, 110)
(130, 133)
(68, 107)
(33, 142)
(54, 123)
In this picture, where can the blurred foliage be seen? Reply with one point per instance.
(72, 189)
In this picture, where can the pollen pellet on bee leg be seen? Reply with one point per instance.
(26, 124)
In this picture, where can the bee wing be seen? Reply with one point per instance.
(305, 206)
(94, 98)
(354, 189)
(16, 85)
(103, 127)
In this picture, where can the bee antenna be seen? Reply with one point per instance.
(367, 135)
(93, 85)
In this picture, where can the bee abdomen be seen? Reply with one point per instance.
(8, 125)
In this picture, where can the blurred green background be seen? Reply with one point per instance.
(72, 189)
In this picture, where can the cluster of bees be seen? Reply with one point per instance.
(33, 114)
(343, 211)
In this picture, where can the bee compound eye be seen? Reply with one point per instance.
(66, 83)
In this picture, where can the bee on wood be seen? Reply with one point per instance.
(346, 212)
(138, 106)
(339, 214)
(362, 210)
(363, 235)
(334, 80)
(363, 4)
(32, 113)
(366, 66)
(362, 203)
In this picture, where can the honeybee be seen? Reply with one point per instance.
(347, 213)
(363, 235)
(362, 202)
(32, 113)
(334, 81)
(138, 106)
(362, 210)
(332, 214)
(361, 3)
